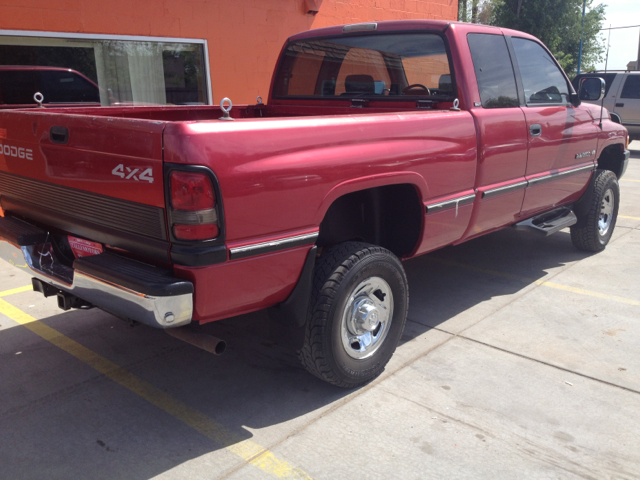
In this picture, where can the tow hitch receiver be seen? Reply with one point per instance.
(66, 301)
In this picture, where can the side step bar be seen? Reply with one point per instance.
(549, 222)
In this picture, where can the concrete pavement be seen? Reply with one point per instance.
(520, 360)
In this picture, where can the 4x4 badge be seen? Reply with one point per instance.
(132, 173)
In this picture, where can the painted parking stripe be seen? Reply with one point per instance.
(581, 291)
(543, 283)
(248, 450)
(26, 288)
(629, 180)
(629, 218)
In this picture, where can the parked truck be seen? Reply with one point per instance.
(379, 142)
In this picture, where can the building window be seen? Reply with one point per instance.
(110, 71)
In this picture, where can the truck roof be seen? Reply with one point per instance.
(397, 25)
(388, 25)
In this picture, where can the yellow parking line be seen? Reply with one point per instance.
(248, 450)
(629, 180)
(630, 218)
(538, 282)
(588, 292)
(26, 288)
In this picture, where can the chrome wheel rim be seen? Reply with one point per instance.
(606, 212)
(366, 318)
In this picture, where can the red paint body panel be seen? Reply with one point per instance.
(444, 228)
(566, 132)
(243, 286)
(300, 165)
(563, 190)
(280, 166)
(96, 146)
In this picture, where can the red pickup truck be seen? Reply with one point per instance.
(379, 142)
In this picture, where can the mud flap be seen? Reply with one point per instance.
(289, 318)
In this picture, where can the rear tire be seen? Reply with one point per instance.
(357, 313)
(594, 229)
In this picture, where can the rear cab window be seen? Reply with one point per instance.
(395, 66)
(494, 72)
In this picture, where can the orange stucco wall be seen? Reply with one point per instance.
(244, 36)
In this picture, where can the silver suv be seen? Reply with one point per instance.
(621, 98)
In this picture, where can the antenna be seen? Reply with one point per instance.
(606, 61)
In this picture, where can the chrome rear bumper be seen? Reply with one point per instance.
(134, 301)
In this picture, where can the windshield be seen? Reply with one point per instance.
(381, 66)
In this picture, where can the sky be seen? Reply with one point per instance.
(624, 42)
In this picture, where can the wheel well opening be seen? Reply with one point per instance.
(389, 216)
(612, 158)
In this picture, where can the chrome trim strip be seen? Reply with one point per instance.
(555, 176)
(159, 312)
(199, 217)
(437, 207)
(272, 246)
(506, 189)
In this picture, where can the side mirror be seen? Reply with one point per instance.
(592, 89)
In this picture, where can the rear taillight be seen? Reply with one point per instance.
(191, 191)
(195, 232)
(193, 206)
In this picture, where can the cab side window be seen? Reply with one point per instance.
(494, 71)
(631, 87)
(543, 81)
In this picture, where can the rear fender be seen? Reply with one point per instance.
(372, 181)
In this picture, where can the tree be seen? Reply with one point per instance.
(476, 11)
(558, 23)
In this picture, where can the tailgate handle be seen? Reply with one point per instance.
(59, 134)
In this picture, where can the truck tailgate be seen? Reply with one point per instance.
(95, 176)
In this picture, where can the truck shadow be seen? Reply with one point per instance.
(55, 404)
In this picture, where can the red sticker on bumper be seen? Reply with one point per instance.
(84, 248)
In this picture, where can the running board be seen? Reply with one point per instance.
(549, 222)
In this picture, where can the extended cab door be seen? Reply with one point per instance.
(502, 139)
(562, 139)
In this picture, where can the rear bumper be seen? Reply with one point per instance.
(120, 286)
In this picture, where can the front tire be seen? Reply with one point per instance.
(357, 314)
(594, 229)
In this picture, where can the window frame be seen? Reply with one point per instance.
(520, 83)
(374, 98)
(623, 85)
(124, 38)
(515, 71)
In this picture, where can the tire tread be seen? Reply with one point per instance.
(330, 270)
(584, 235)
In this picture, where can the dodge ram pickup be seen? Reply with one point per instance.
(379, 142)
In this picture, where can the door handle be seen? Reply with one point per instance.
(619, 104)
(535, 130)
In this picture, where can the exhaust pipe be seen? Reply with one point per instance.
(201, 340)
